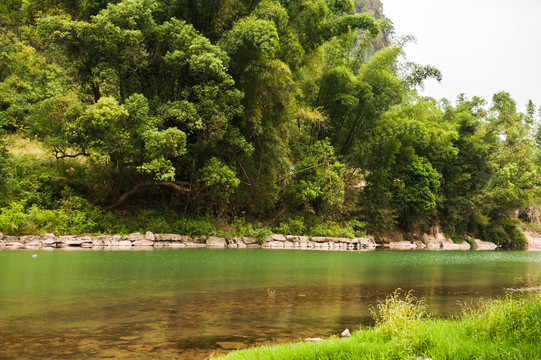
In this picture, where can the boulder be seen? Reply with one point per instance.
(249, 240)
(116, 239)
(176, 245)
(25, 239)
(102, 240)
(484, 245)
(86, 239)
(253, 246)
(318, 239)
(70, 240)
(216, 242)
(135, 237)
(235, 243)
(14, 245)
(149, 236)
(278, 237)
(273, 245)
(338, 240)
(50, 242)
(35, 243)
(172, 237)
(141, 242)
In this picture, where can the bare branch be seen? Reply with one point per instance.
(134, 189)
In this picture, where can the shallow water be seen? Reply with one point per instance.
(182, 303)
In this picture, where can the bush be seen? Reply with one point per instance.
(333, 229)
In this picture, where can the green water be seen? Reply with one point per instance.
(182, 303)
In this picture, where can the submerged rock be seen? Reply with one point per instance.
(231, 345)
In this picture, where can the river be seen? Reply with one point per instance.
(191, 303)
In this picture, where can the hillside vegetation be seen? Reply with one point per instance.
(242, 116)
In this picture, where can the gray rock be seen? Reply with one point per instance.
(172, 237)
(25, 239)
(14, 244)
(278, 237)
(141, 242)
(365, 242)
(216, 242)
(50, 242)
(135, 237)
(273, 245)
(71, 240)
(86, 239)
(235, 242)
(176, 245)
(484, 245)
(253, 246)
(250, 240)
(338, 240)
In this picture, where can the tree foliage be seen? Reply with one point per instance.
(268, 108)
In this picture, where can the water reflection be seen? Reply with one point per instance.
(184, 304)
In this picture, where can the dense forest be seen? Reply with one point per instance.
(246, 116)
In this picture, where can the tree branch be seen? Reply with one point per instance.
(134, 189)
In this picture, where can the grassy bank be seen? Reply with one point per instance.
(507, 328)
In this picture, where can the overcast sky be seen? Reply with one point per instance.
(480, 46)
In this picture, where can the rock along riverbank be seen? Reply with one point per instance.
(149, 241)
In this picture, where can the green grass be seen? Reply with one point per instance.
(508, 328)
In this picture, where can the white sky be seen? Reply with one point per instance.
(480, 46)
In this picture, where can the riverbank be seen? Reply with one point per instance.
(149, 240)
(495, 329)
